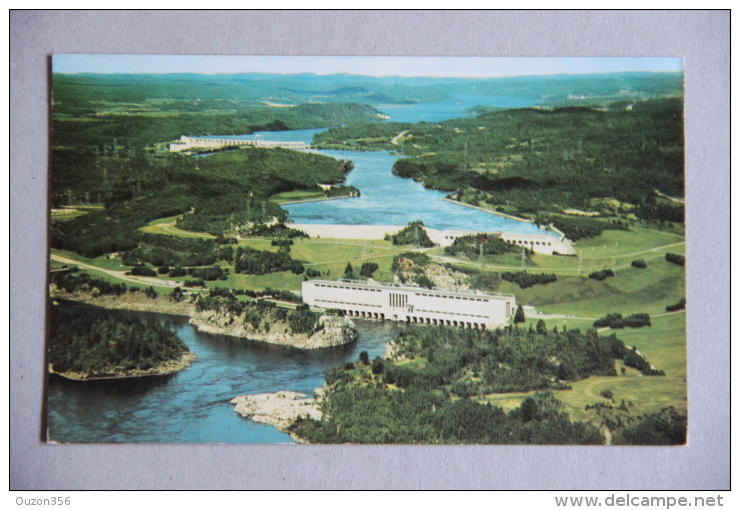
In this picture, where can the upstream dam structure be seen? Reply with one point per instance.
(190, 142)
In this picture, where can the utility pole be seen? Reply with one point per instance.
(480, 257)
(524, 258)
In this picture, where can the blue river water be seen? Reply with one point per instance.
(390, 200)
(193, 406)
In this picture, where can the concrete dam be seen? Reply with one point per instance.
(189, 142)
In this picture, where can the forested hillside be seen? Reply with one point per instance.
(536, 160)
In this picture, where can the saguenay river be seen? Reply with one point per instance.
(193, 406)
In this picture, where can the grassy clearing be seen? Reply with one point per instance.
(631, 290)
(166, 226)
(663, 344)
(292, 196)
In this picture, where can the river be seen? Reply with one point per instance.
(390, 200)
(194, 406)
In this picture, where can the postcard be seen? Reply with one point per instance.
(367, 250)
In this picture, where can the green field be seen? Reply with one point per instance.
(296, 195)
(663, 344)
(167, 226)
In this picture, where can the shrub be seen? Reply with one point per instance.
(640, 264)
(607, 394)
(601, 275)
(143, 271)
(637, 320)
(616, 321)
(368, 268)
(312, 273)
(677, 306)
(676, 258)
(178, 271)
(378, 365)
(525, 279)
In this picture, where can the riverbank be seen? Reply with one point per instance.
(166, 368)
(317, 199)
(331, 331)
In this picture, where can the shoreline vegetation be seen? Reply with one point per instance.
(165, 368)
(329, 331)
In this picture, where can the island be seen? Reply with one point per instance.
(89, 343)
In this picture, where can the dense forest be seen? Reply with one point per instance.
(434, 391)
(536, 160)
(215, 194)
(101, 343)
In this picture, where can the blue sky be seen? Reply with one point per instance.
(369, 66)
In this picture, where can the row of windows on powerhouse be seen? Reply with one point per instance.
(416, 309)
(415, 293)
(517, 241)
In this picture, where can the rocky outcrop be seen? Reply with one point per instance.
(330, 331)
(279, 409)
(443, 278)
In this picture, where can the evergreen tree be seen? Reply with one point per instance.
(519, 315)
(541, 327)
(349, 271)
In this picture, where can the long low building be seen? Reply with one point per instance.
(475, 310)
(190, 142)
(544, 243)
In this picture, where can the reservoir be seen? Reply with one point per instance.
(193, 406)
(390, 200)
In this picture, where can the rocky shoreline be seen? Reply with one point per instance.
(166, 368)
(280, 409)
(330, 332)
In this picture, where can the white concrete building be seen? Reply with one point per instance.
(474, 310)
(190, 142)
(539, 243)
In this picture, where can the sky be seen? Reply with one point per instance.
(468, 67)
